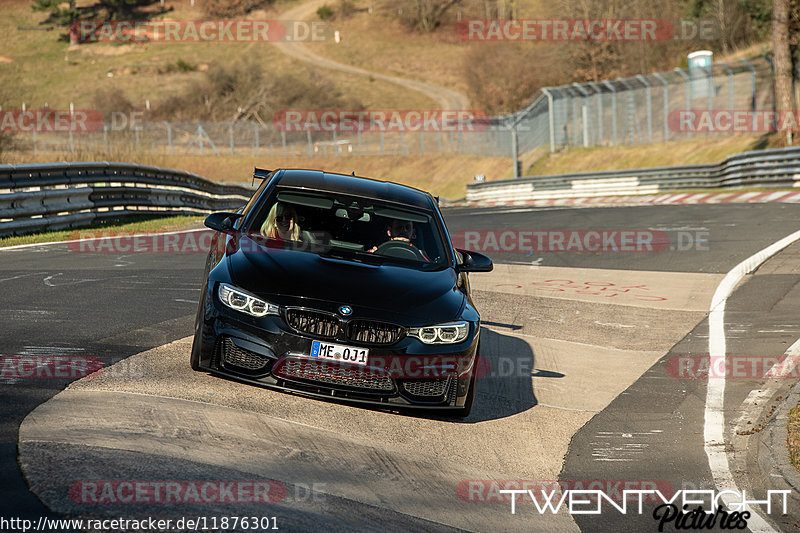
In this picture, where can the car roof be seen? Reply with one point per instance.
(353, 185)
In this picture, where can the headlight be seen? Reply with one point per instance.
(241, 301)
(441, 333)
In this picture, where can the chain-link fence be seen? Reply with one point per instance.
(250, 138)
(648, 109)
(637, 110)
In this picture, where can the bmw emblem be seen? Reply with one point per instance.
(346, 310)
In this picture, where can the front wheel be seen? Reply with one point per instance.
(197, 344)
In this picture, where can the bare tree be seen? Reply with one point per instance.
(782, 59)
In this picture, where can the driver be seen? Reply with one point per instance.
(403, 231)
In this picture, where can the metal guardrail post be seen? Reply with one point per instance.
(666, 105)
(688, 95)
(613, 109)
(649, 108)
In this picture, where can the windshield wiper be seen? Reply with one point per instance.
(352, 255)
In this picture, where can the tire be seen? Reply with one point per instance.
(197, 344)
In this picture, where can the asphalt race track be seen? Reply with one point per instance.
(591, 377)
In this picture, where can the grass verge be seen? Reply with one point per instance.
(686, 152)
(793, 436)
(133, 225)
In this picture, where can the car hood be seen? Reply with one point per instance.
(389, 291)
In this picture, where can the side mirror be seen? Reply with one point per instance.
(474, 262)
(222, 221)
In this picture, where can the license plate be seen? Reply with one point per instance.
(337, 352)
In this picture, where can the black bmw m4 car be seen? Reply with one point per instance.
(341, 287)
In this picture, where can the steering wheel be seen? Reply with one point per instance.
(401, 250)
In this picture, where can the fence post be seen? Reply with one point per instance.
(584, 114)
(710, 86)
(574, 100)
(753, 84)
(649, 108)
(514, 149)
(688, 95)
(255, 139)
(550, 117)
(666, 105)
(382, 142)
(230, 136)
(421, 142)
(613, 109)
(169, 137)
(730, 87)
(599, 106)
(71, 112)
(283, 142)
(310, 144)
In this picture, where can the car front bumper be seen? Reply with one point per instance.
(267, 352)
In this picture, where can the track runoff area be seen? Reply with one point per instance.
(603, 374)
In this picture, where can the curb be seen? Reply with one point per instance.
(773, 452)
(650, 199)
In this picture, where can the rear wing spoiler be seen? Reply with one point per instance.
(261, 174)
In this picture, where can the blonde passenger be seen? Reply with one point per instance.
(281, 223)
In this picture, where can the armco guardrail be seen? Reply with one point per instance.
(763, 168)
(46, 196)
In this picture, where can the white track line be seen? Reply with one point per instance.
(714, 431)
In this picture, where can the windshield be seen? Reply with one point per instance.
(362, 229)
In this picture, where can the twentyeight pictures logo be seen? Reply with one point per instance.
(198, 31)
